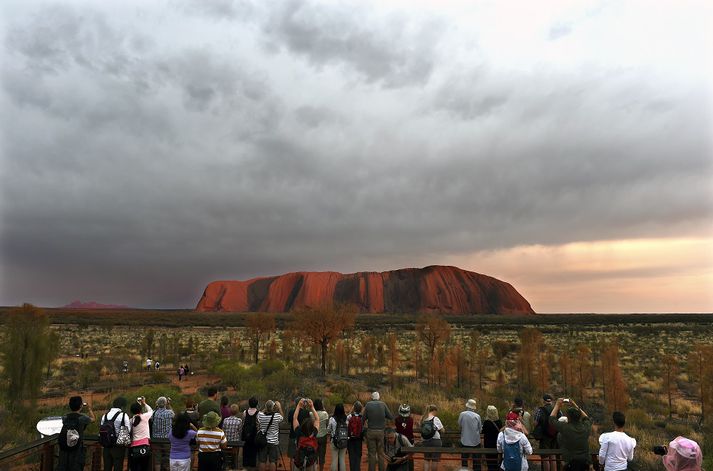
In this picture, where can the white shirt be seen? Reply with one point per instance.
(616, 449)
(121, 419)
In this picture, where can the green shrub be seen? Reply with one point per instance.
(268, 367)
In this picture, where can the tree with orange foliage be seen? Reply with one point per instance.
(259, 327)
(581, 370)
(433, 330)
(323, 325)
(616, 395)
(394, 361)
(700, 368)
(530, 343)
(668, 369)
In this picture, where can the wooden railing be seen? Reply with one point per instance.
(41, 455)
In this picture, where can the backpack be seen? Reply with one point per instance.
(341, 435)
(428, 430)
(306, 453)
(356, 426)
(69, 436)
(249, 428)
(543, 428)
(107, 431)
(512, 458)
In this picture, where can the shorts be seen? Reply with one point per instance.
(180, 465)
(431, 442)
(269, 453)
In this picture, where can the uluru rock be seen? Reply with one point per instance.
(440, 289)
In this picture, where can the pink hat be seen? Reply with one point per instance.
(683, 455)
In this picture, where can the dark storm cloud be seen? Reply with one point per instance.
(139, 166)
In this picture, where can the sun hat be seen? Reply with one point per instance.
(375, 395)
(404, 410)
(211, 420)
(471, 404)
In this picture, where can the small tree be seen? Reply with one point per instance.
(393, 357)
(668, 369)
(322, 326)
(616, 395)
(432, 329)
(259, 327)
(25, 354)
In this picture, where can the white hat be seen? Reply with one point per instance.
(375, 396)
(471, 404)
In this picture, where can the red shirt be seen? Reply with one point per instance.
(404, 426)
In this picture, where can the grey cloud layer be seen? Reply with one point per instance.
(138, 167)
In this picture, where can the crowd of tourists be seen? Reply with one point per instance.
(559, 426)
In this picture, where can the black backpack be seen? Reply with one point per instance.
(107, 431)
(428, 429)
(249, 428)
(341, 435)
(70, 437)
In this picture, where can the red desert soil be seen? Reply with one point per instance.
(441, 289)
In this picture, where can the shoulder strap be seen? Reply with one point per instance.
(270, 423)
(115, 416)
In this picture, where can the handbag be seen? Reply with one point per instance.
(141, 451)
(261, 437)
(123, 437)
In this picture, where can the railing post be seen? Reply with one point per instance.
(96, 457)
(48, 457)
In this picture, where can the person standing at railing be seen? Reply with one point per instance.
(71, 437)
(404, 426)
(355, 423)
(616, 448)
(321, 433)
(211, 442)
(376, 413)
(140, 451)
(180, 437)
(491, 430)
(232, 426)
(114, 456)
(471, 427)
(338, 433)
(162, 420)
(573, 435)
(514, 446)
(431, 429)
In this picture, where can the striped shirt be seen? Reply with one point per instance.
(210, 440)
(232, 426)
(273, 435)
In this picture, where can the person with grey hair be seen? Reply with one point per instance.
(376, 413)
(161, 428)
(471, 427)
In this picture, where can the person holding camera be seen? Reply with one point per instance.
(269, 424)
(573, 435)
(682, 454)
(161, 427)
(616, 448)
(71, 436)
(140, 451)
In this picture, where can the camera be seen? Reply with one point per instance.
(565, 400)
(84, 404)
(659, 450)
(305, 402)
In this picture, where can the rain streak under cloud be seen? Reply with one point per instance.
(150, 148)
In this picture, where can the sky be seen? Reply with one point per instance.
(148, 148)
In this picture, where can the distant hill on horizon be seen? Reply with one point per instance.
(77, 304)
(439, 289)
